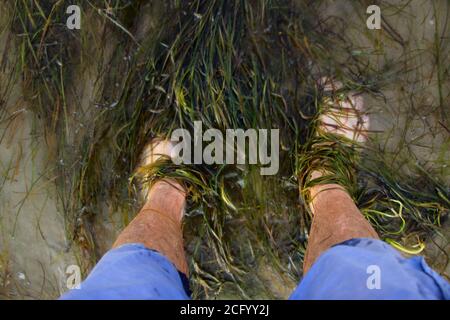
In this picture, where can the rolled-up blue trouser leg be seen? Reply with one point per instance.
(132, 272)
(355, 269)
(370, 269)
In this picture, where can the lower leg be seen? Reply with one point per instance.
(335, 216)
(336, 219)
(158, 225)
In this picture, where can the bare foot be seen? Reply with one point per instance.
(342, 116)
(154, 151)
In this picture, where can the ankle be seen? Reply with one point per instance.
(169, 197)
(327, 196)
(169, 185)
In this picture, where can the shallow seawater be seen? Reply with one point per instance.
(263, 238)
